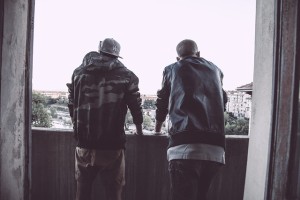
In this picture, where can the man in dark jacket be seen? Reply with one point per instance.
(101, 90)
(193, 97)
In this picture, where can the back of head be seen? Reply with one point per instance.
(186, 48)
(110, 46)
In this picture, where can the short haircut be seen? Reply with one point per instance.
(186, 48)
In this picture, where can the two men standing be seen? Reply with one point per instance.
(191, 95)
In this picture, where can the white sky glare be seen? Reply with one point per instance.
(148, 31)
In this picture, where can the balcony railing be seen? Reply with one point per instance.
(147, 178)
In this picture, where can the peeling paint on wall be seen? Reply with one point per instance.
(12, 98)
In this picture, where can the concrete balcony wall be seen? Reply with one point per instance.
(147, 175)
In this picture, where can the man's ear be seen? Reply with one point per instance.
(198, 54)
(177, 58)
(99, 46)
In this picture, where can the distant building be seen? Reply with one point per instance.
(148, 97)
(246, 88)
(239, 101)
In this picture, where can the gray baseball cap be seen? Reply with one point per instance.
(110, 46)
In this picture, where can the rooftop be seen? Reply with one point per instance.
(246, 88)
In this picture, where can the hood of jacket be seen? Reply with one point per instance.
(100, 62)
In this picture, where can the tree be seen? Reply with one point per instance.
(236, 126)
(40, 116)
(128, 120)
(147, 123)
(62, 100)
(53, 112)
(149, 104)
(50, 101)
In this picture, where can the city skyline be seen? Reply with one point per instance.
(148, 33)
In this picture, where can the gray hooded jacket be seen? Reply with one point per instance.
(102, 89)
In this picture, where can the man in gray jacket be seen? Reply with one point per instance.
(101, 90)
(193, 97)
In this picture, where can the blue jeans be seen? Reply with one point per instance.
(190, 179)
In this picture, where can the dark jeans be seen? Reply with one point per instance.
(84, 190)
(110, 165)
(190, 179)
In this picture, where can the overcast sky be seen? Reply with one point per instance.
(148, 31)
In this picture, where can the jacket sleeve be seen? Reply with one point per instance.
(133, 100)
(162, 101)
(71, 104)
(225, 97)
(71, 99)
